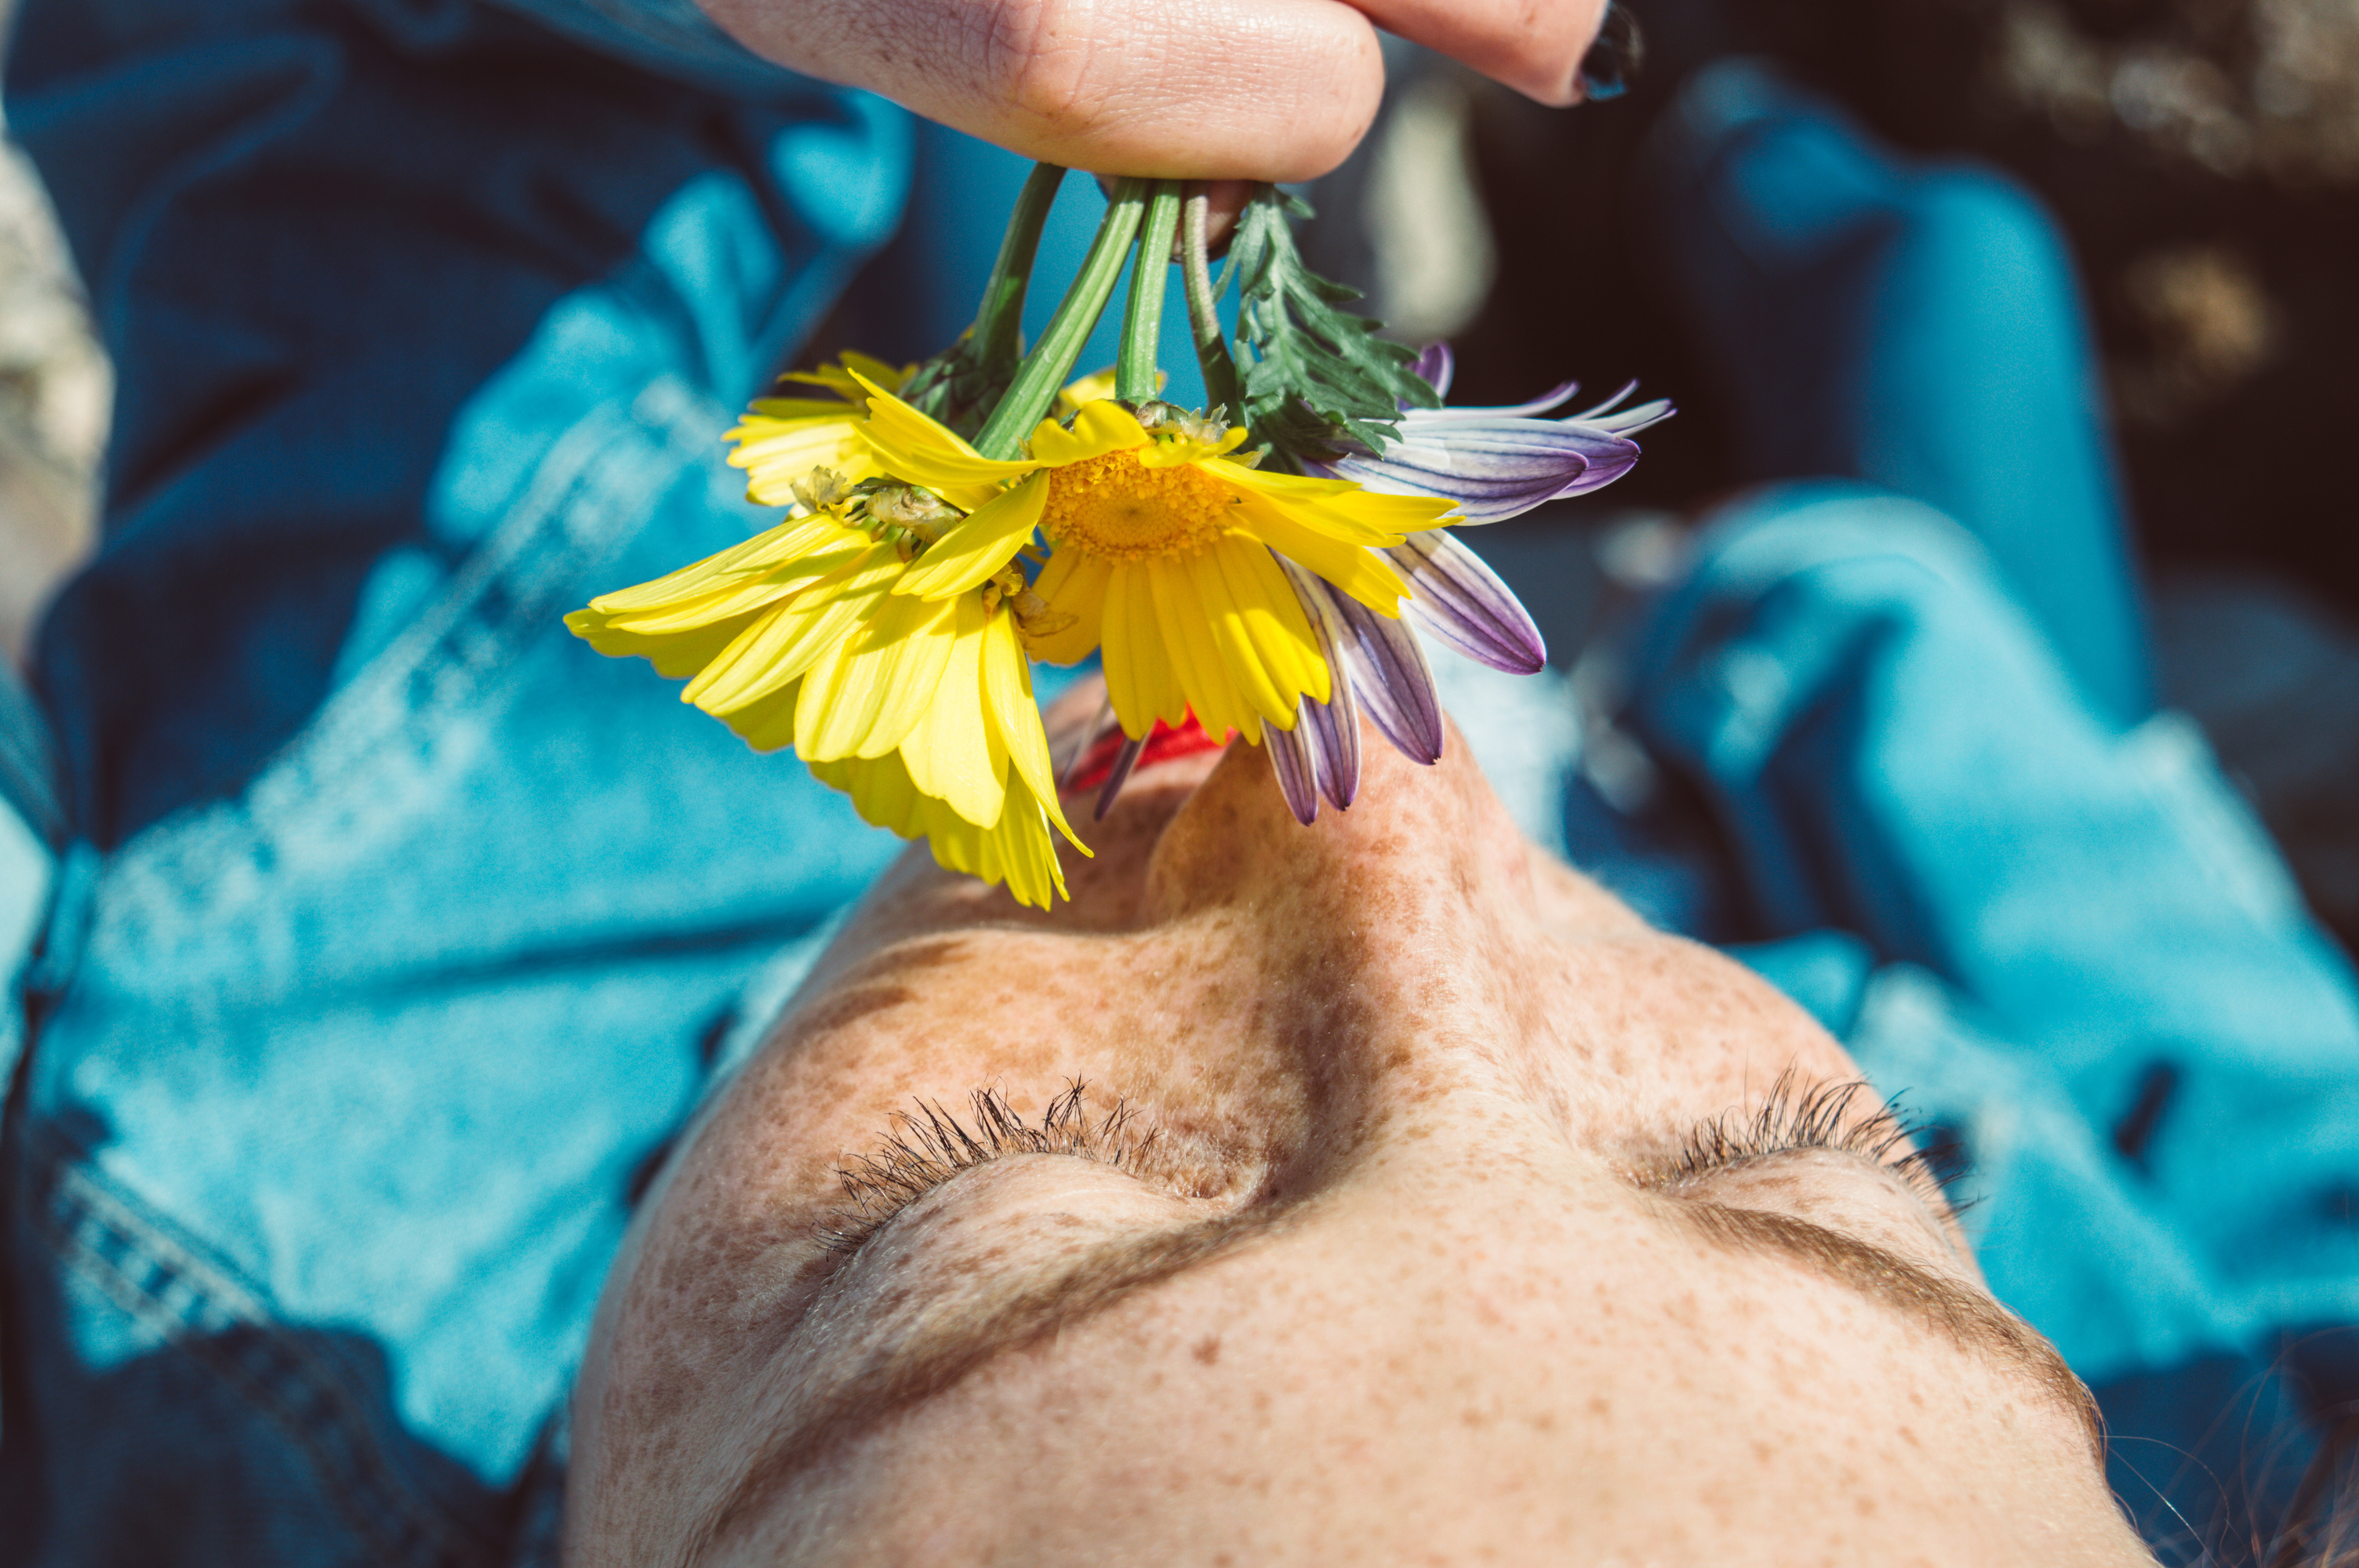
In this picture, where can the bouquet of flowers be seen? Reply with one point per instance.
(1254, 569)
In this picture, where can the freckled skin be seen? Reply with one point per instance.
(1442, 1064)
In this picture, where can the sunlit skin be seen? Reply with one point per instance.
(1400, 1278)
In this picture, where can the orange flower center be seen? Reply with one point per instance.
(1116, 506)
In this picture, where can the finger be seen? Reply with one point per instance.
(1532, 46)
(1276, 89)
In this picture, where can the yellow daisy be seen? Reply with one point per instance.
(921, 710)
(1161, 553)
(780, 440)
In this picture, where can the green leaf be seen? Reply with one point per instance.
(1315, 375)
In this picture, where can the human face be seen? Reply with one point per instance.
(1401, 1257)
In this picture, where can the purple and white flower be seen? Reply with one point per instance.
(1497, 463)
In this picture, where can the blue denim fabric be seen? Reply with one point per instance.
(1917, 327)
(353, 1036)
(313, 231)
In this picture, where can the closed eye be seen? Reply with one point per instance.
(1821, 1116)
(930, 1145)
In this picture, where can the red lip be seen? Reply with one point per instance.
(1164, 743)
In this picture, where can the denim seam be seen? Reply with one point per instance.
(169, 1288)
(587, 490)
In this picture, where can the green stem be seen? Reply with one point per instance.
(999, 322)
(1045, 368)
(1204, 313)
(1142, 325)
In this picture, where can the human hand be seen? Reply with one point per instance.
(1275, 89)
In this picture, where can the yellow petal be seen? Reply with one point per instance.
(1098, 428)
(1361, 573)
(729, 600)
(1271, 687)
(978, 545)
(1196, 660)
(1020, 852)
(771, 416)
(1139, 678)
(677, 654)
(918, 451)
(849, 363)
(732, 595)
(1272, 628)
(1336, 506)
(1073, 583)
(925, 631)
(1015, 713)
(890, 377)
(781, 643)
(789, 541)
(1094, 387)
(1016, 850)
(769, 724)
(949, 753)
(775, 461)
(866, 693)
(880, 791)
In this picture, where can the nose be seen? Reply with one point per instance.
(1414, 835)
(1422, 849)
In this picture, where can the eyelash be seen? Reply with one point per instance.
(928, 1146)
(1793, 1119)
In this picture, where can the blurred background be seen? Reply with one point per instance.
(2201, 157)
(2202, 160)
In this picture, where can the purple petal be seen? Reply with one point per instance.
(1462, 603)
(1123, 761)
(1335, 740)
(1297, 771)
(1388, 674)
(1633, 419)
(1084, 740)
(1553, 397)
(1391, 680)
(1495, 469)
(1334, 726)
(1601, 471)
(1590, 414)
(1629, 419)
(1435, 366)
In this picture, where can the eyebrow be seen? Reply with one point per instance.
(944, 1351)
(1966, 1317)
